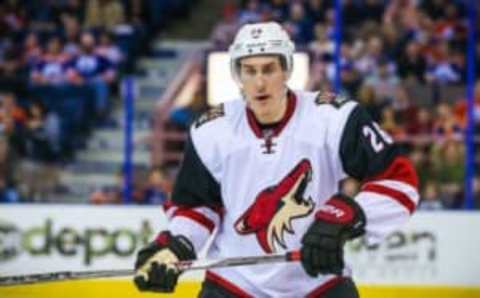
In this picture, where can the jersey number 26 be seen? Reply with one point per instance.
(378, 137)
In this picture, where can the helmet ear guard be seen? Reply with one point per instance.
(261, 39)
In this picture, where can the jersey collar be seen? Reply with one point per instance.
(255, 125)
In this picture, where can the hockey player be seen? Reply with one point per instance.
(264, 170)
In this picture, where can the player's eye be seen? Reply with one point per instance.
(249, 71)
(269, 69)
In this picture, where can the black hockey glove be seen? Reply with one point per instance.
(153, 269)
(339, 220)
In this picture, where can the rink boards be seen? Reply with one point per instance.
(435, 255)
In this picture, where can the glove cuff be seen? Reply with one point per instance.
(179, 245)
(344, 211)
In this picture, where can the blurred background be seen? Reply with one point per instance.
(96, 98)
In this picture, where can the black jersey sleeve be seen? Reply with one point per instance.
(195, 185)
(365, 149)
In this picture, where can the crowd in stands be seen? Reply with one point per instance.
(151, 186)
(405, 60)
(60, 65)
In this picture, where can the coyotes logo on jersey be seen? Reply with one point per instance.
(271, 215)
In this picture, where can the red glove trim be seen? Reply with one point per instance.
(163, 238)
(335, 211)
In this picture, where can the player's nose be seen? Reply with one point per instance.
(260, 83)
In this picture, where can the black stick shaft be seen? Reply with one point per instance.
(183, 266)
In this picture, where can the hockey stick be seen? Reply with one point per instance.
(183, 266)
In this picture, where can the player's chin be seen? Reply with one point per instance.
(261, 108)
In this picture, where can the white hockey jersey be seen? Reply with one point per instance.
(261, 187)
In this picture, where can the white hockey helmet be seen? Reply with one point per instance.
(261, 39)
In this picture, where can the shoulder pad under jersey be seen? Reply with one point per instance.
(211, 114)
(335, 99)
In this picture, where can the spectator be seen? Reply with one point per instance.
(298, 25)
(412, 64)
(316, 10)
(279, 10)
(442, 69)
(104, 14)
(41, 14)
(449, 171)
(106, 195)
(458, 63)
(12, 110)
(107, 49)
(373, 10)
(251, 12)
(158, 187)
(449, 27)
(421, 126)
(460, 108)
(32, 51)
(322, 47)
(14, 17)
(74, 8)
(71, 32)
(420, 157)
(51, 67)
(42, 134)
(349, 77)
(387, 85)
(351, 13)
(430, 200)
(400, 13)
(12, 121)
(446, 126)
(390, 125)
(12, 71)
(330, 21)
(109, 194)
(224, 30)
(368, 61)
(391, 40)
(40, 170)
(9, 174)
(434, 8)
(91, 69)
(114, 193)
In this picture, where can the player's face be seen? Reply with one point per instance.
(264, 85)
